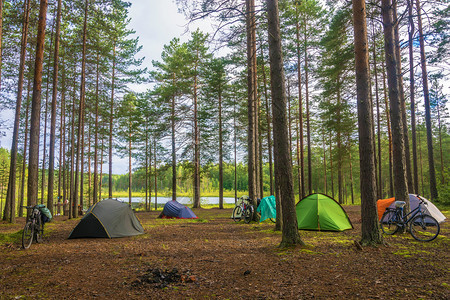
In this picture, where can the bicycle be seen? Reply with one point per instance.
(244, 210)
(422, 226)
(34, 227)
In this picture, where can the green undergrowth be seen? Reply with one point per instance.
(8, 238)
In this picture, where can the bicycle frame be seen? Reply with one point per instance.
(408, 217)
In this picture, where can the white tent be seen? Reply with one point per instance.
(430, 208)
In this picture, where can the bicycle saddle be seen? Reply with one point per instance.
(400, 203)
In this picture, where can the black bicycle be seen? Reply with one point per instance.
(244, 210)
(34, 227)
(422, 226)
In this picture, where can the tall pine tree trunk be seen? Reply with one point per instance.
(283, 164)
(10, 203)
(251, 98)
(62, 147)
(25, 144)
(196, 144)
(97, 79)
(33, 162)
(412, 84)
(388, 123)
(130, 170)
(370, 233)
(400, 182)
(51, 162)
(220, 151)
(308, 127)
(377, 99)
(426, 95)
(269, 127)
(80, 133)
(111, 117)
(402, 99)
(300, 103)
(174, 154)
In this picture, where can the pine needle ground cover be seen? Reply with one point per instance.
(213, 257)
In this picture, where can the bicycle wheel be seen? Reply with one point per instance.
(248, 214)
(389, 224)
(424, 228)
(39, 231)
(27, 235)
(273, 220)
(237, 213)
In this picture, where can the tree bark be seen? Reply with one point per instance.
(402, 98)
(308, 127)
(33, 162)
(25, 144)
(251, 98)
(10, 202)
(80, 133)
(156, 177)
(400, 182)
(426, 95)
(269, 129)
(388, 122)
(174, 154)
(51, 162)
(370, 233)
(111, 117)
(97, 79)
(300, 104)
(130, 170)
(412, 84)
(220, 151)
(62, 147)
(290, 235)
(377, 99)
(196, 142)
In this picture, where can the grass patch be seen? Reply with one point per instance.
(8, 238)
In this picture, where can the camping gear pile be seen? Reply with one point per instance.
(414, 200)
(174, 209)
(267, 208)
(108, 218)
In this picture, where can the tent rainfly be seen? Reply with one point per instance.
(108, 218)
(321, 212)
(174, 209)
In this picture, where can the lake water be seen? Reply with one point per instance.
(182, 200)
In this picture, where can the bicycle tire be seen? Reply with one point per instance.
(27, 235)
(248, 214)
(389, 222)
(237, 214)
(424, 228)
(39, 229)
(273, 220)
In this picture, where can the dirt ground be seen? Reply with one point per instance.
(214, 258)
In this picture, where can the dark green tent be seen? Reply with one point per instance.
(109, 218)
(321, 212)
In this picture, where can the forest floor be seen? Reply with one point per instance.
(214, 258)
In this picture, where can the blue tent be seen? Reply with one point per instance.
(174, 209)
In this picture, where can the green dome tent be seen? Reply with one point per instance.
(321, 212)
(108, 218)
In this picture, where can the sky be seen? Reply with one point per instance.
(156, 23)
